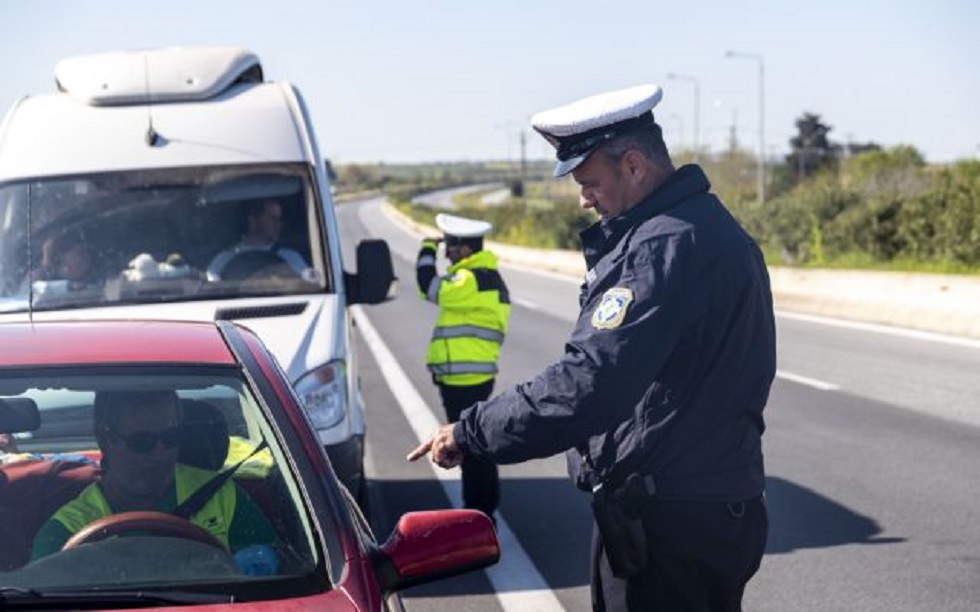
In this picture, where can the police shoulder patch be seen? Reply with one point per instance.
(612, 309)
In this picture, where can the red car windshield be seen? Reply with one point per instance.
(137, 451)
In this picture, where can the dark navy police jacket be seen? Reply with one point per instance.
(669, 366)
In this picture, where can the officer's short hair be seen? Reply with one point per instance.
(648, 140)
(474, 243)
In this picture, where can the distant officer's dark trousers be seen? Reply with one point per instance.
(702, 556)
(481, 486)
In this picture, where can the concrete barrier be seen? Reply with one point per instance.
(940, 303)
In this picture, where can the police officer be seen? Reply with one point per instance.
(474, 309)
(658, 397)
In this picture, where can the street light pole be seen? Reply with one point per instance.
(762, 121)
(697, 108)
(680, 127)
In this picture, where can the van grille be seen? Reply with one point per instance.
(259, 312)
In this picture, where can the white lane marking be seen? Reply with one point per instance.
(805, 380)
(525, 304)
(517, 582)
(566, 276)
(882, 329)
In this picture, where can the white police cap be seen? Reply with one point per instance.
(462, 227)
(577, 129)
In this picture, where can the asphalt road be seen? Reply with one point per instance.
(871, 448)
(444, 198)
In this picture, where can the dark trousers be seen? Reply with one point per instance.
(481, 484)
(702, 554)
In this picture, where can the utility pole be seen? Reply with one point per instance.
(733, 135)
(680, 127)
(523, 169)
(697, 108)
(733, 128)
(761, 178)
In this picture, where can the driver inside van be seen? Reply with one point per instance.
(263, 225)
(139, 435)
(67, 257)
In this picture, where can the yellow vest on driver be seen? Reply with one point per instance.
(215, 517)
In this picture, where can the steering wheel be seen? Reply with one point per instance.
(156, 523)
(257, 264)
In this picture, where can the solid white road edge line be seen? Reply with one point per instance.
(805, 380)
(517, 582)
(882, 329)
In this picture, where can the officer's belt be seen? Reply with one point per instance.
(633, 493)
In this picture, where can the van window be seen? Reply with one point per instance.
(150, 236)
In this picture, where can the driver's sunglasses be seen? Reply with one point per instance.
(143, 442)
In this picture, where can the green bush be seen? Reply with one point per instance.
(879, 209)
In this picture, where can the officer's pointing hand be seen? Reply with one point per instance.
(441, 448)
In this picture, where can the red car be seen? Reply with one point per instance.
(147, 463)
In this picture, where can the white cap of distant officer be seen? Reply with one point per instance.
(461, 227)
(576, 130)
(463, 237)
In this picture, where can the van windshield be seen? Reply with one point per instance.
(161, 235)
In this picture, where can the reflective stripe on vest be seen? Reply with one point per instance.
(468, 331)
(474, 308)
(432, 294)
(215, 516)
(458, 367)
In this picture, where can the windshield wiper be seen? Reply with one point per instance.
(16, 598)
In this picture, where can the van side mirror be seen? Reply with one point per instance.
(375, 278)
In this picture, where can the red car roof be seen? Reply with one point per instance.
(92, 342)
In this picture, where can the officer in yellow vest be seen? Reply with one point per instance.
(474, 308)
(138, 433)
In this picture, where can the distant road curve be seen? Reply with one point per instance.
(443, 198)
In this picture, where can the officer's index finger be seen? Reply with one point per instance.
(420, 451)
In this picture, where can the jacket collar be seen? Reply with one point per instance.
(685, 182)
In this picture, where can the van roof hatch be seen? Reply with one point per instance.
(175, 74)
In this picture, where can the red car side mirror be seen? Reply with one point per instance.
(435, 544)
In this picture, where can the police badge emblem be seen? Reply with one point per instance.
(611, 310)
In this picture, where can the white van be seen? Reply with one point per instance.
(119, 191)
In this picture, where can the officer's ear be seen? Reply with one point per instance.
(634, 162)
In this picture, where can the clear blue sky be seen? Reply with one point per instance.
(403, 81)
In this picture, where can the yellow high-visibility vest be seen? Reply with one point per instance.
(474, 309)
(215, 516)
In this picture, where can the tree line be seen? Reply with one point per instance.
(828, 204)
(861, 205)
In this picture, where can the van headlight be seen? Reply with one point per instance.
(324, 394)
